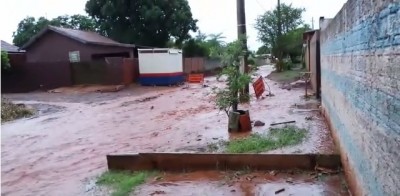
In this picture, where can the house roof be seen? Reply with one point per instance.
(9, 47)
(307, 34)
(85, 37)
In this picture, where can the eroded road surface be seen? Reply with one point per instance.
(54, 152)
(243, 184)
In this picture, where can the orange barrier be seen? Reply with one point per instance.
(259, 87)
(195, 78)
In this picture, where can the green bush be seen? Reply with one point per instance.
(228, 97)
(251, 61)
(5, 62)
(10, 111)
(123, 182)
(287, 64)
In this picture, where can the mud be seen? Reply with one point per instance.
(88, 89)
(53, 153)
(244, 183)
(87, 97)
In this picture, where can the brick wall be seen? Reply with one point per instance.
(360, 70)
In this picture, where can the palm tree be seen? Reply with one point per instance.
(215, 44)
(216, 38)
(201, 36)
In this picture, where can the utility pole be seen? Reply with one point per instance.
(241, 25)
(278, 40)
(312, 23)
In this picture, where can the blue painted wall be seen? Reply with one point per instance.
(360, 84)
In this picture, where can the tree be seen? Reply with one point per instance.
(29, 26)
(5, 62)
(200, 37)
(267, 26)
(263, 50)
(215, 45)
(292, 42)
(143, 22)
(203, 45)
(216, 39)
(82, 23)
(195, 48)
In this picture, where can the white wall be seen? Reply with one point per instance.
(170, 62)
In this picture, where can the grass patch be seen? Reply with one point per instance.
(286, 76)
(10, 111)
(277, 138)
(123, 182)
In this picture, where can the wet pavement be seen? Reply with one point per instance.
(244, 183)
(52, 154)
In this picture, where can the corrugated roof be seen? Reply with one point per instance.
(86, 37)
(9, 47)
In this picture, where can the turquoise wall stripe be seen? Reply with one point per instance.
(375, 105)
(357, 157)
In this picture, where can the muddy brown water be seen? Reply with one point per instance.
(243, 183)
(52, 154)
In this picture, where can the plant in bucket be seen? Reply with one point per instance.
(228, 98)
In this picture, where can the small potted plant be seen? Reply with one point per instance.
(228, 98)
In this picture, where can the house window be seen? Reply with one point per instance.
(74, 57)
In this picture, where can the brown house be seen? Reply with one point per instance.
(55, 44)
(10, 49)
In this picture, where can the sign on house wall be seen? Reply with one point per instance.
(74, 57)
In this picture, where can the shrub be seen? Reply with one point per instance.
(10, 111)
(5, 62)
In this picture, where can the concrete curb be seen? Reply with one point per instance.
(190, 162)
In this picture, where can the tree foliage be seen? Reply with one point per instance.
(29, 26)
(292, 42)
(267, 24)
(203, 45)
(236, 81)
(5, 62)
(143, 22)
(268, 30)
(263, 50)
(194, 48)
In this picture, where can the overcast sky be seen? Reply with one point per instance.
(214, 16)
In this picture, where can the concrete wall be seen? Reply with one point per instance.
(31, 76)
(212, 64)
(360, 62)
(313, 61)
(193, 65)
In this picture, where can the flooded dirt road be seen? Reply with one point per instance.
(52, 153)
(244, 183)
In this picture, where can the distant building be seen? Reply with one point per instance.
(55, 44)
(9, 48)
